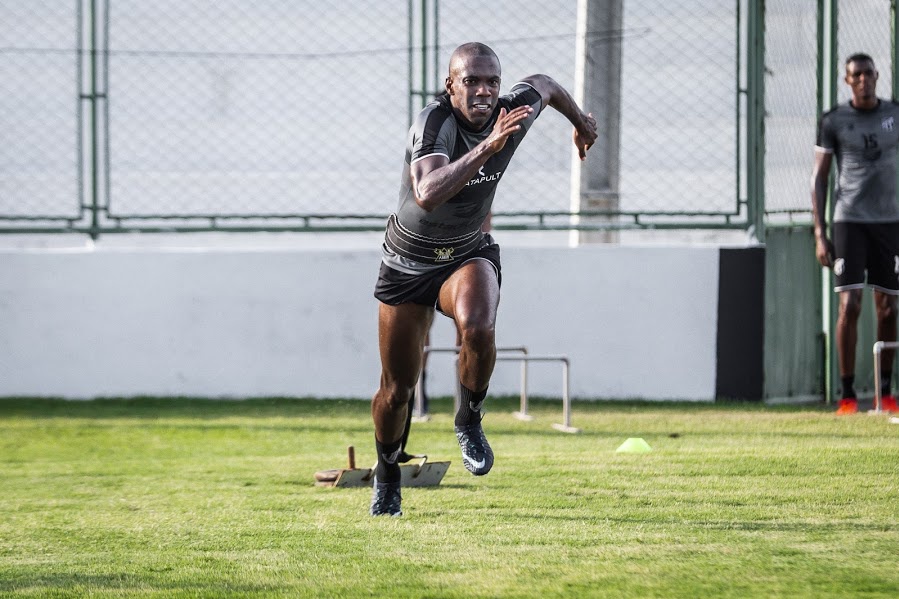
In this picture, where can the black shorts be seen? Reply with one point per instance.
(395, 287)
(871, 247)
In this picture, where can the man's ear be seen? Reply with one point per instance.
(448, 83)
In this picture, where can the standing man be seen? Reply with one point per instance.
(435, 255)
(863, 134)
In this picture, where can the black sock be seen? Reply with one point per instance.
(848, 381)
(404, 457)
(885, 383)
(470, 406)
(424, 392)
(388, 469)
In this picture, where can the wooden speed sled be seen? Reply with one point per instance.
(418, 472)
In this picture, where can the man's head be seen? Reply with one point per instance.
(861, 77)
(473, 83)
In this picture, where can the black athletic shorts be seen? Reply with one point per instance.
(395, 287)
(871, 247)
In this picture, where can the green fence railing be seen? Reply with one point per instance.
(185, 117)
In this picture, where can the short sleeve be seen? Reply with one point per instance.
(523, 94)
(432, 133)
(826, 140)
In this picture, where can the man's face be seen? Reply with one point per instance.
(861, 76)
(473, 86)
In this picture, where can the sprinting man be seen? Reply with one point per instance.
(863, 134)
(435, 255)
(485, 227)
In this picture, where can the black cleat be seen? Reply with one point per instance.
(385, 499)
(476, 453)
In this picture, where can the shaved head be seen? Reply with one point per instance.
(473, 84)
(466, 51)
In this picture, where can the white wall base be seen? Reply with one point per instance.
(81, 323)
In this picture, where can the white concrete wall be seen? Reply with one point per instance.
(79, 323)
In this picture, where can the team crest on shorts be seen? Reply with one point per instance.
(444, 254)
(839, 266)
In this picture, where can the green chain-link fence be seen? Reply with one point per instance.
(40, 118)
(807, 44)
(124, 115)
(119, 115)
(791, 31)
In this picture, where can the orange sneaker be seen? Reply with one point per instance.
(847, 405)
(888, 404)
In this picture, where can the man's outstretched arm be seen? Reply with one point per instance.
(558, 97)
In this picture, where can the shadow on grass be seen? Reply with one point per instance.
(330, 415)
(309, 415)
(352, 416)
(265, 407)
(815, 528)
(180, 407)
(76, 584)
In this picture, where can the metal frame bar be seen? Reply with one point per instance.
(418, 412)
(63, 224)
(565, 426)
(878, 348)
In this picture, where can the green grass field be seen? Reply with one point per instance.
(192, 498)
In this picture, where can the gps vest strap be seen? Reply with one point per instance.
(426, 249)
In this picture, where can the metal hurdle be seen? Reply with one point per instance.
(878, 348)
(418, 407)
(565, 426)
(418, 411)
(522, 414)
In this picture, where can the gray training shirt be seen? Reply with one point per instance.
(864, 143)
(417, 240)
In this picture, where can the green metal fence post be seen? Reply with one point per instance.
(827, 94)
(423, 91)
(410, 57)
(104, 96)
(95, 127)
(95, 224)
(738, 109)
(755, 116)
(895, 51)
(424, 53)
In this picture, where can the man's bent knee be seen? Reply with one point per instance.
(394, 398)
(886, 307)
(851, 306)
(478, 338)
